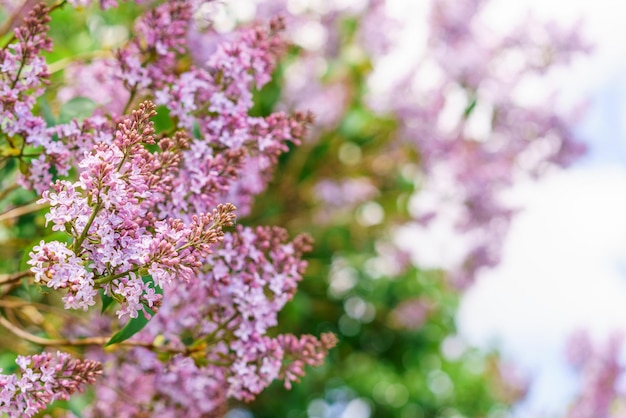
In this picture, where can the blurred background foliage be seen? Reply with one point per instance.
(399, 355)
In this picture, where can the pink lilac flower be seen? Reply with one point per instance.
(254, 142)
(109, 212)
(44, 378)
(97, 81)
(219, 326)
(342, 196)
(148, 61)
(23, 75)
(411, 314)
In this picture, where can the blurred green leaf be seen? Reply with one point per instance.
(470, 108)
(77, 108)
(162, 120)
(46, 111)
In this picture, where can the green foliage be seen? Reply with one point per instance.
(398, 371)
(77, 108)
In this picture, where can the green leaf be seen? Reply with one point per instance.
(23, 166)
(162, 120)
(354, 122)
(196, 130)
(46, 111)
(135, 324)
(133, 327)
(106, 301)
(78, 107)
(7, 151)
(470, 108)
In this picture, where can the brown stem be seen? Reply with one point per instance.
(133, 92)
(16, 303)
(22, 210)
(107, 279)
(82, 57)
(82, 342)
(209, 338)
(15, 277)
(10, 23)
(4, 193)
(57, 6)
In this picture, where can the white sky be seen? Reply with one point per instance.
(563, 269)
(564, 263)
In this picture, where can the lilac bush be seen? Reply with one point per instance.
(143, 219)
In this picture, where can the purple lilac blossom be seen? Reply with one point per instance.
(23, 76)
(224, 317)
(601, 395)
(44, 378)
(116, 237)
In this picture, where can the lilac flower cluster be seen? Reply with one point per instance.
(149, 60)
(116, 237)
(234, 153)
(217, 99)
(144, 214)
(45, 377)
(23, 76)
(99, 81)
(219, 322)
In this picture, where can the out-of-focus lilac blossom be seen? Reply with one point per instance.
(304, 90)
(411, 314)
(453, 99)
(342, 196)
(601, 395)
(96, 81)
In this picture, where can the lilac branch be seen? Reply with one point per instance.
(16, 277)
(22, 210)
(89, 341)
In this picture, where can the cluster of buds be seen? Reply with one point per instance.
(45, 377)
